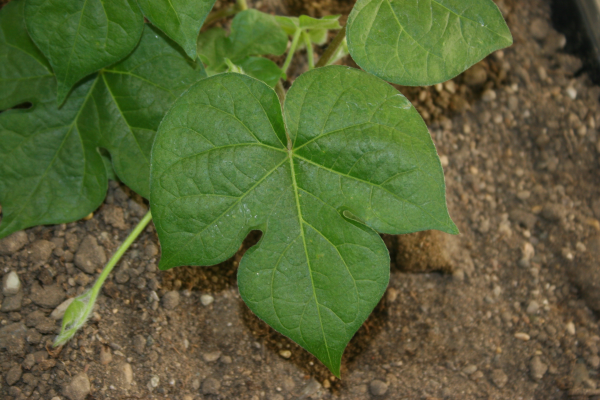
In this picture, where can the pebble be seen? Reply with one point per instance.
(488, 95)
(571, 92)
(206, 299)
(378, 388)
(13, 375)
(537, 368)
(113, 215)
(12, 338)
(570, 327)
(139, 344)
(211, 386)
(211, 356)
(154, 381)
(522, 336)
(170, 300)
(476, 75)
(539, 28)
(469, 369)
(533, 307)
(11, 284)
(41, 251)
(78, 388)
(553, 212)
(90, 255)
(59, 311)
(13, 243)
(499, 378)
(105, 355)
(47, 296)
(12, 303)
(126, 374)
(285, 353)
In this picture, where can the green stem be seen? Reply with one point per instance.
(241, 5)
(309, 50)
(219, 15)
(280, 92)
(332, 48)
(292, 50)
(81, 307)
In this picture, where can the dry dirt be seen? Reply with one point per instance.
(505, 310)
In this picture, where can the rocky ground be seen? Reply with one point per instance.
(507, 310)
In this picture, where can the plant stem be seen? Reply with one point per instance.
(292, 50)
(280, 91)
(241, 5)
(81, 306)
(219, 15)
(309, 50)
(332, 48)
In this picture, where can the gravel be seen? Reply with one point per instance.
(13, 375)
(211, 386)
(537, 368)
(378, 388)
(499, 378)
(12, 303)
(211, 356)
(12, 338)
(41, 251)
(13, 243)
(47, 296)
(170, 300)
(206, 299)
(78, 388)
(11, 284)
(90, 255)
(139, 344)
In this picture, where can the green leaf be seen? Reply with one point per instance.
(316, 27)
(327, 22)
(50, 168)
(252, 33)
(25, 74)
(262, 69)
(181, 20)
(222, 165)
(80, 37)
(424, 42)
(288, 24)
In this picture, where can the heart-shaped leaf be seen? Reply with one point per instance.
(356, 159)
(252, 33)
(181, 20)
(50, 168)
(80, 37)
(425, 42)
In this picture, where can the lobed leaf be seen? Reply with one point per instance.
(411, 42)
(181, 20)
(355, 150)
(79, 37)
(50, 168)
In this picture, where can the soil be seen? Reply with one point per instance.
(506, 310)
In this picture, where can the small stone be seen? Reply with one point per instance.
(580, 374)
(47, 296)
(539, 28)
(537, 368)
(59, 311)
(285, 353)
(553, 212)
(122, 277)
(12, 338)
(499, 378)
(105, 355)
(12, 303)
(378, 388)
(139, 344)
(113, 215)
(594, 361)
(533, 307)
(154, 381)
(90, 255)
(211, 386)
(41, 251)
(570, 328)
(522, 336)
(488, 95)
(13, 243)
(211, 356)
(571, 92)
(206, 299)
(310, 389)
(13, 375)
(170, 300)
(475, 76)
(127, 373)
(11, 284)
(469, 369)
(196, 384)
(78, 388)
(528, 251)
(151, 250)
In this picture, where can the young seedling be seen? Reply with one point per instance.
(320, 171)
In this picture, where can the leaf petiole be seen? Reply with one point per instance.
(332, 49)
(309, 49)
(81, 307)
(292, 50)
